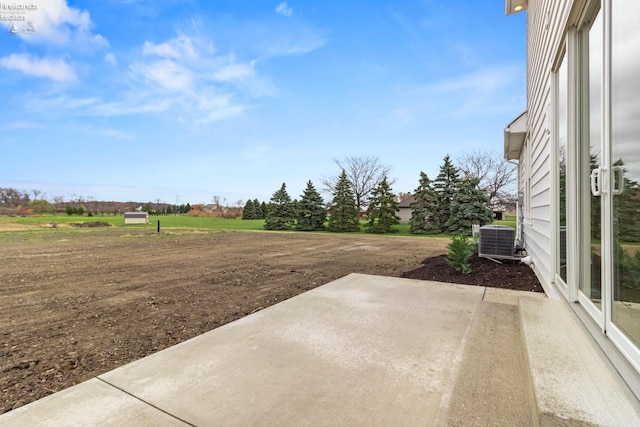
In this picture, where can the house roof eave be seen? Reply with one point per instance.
(514, 136)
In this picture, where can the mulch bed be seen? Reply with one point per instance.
(484, 272)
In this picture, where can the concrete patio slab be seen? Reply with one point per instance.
(358, 357)
(361, 351)
(91, 403)
(494, 372)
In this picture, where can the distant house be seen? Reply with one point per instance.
(404, 209)
(136, 218)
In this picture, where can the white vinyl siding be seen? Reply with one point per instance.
(546, 20)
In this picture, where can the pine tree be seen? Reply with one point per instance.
(344, 212)
(280, 215)
(381, 212)
(423, 209)
(311, 212)
(263, 210)
(445, 186)
(249, 210)
(626, 204)
(257, 208)
(468, 207)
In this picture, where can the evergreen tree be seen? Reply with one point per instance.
(423, 209)
(311, 212)
(280, 215)
(249, 210)
(468, 207)
(445, 186)
(257, 209)
(626, 204)
(344, 212)
(381, 212)
(263, 210)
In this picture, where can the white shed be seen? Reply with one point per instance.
(136, 218)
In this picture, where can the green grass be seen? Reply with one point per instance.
(171, 222)
(508, 220)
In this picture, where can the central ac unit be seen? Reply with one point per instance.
(496, 241)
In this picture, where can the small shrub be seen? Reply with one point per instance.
(460, 250)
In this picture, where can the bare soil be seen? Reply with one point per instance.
(76, 305)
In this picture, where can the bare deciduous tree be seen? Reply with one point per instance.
(219, 203)
(496, 175)
(364, 174)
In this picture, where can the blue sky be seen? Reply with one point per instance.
(181, 100)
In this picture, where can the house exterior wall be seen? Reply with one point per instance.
(405, 215)
(571, 191)
(546, 26)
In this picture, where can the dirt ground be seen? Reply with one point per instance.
(76, 305)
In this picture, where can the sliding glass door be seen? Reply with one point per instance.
(590, 159)
(608, 156)
(624, 168)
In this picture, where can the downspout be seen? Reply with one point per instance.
(519, 249)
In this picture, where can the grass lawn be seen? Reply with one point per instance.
(508, 220)
(171, 222)
(175, 222)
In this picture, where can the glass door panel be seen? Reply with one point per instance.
(591, 158)
(625, 169)
(563, 97)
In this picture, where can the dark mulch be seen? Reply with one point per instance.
(484, 272)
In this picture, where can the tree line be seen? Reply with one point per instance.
(435, 209)
(449, 204)
(310, 213)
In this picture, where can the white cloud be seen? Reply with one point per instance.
(284, 9)
(23, 124)
(484, 91)
(486, 80)
(234, 72)
(116, 134)
(55, 69)
(35, 103)
(182, 77)
(58, 24)
(166, 74)
(188, 76)
(178, 48)
(111, 58)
